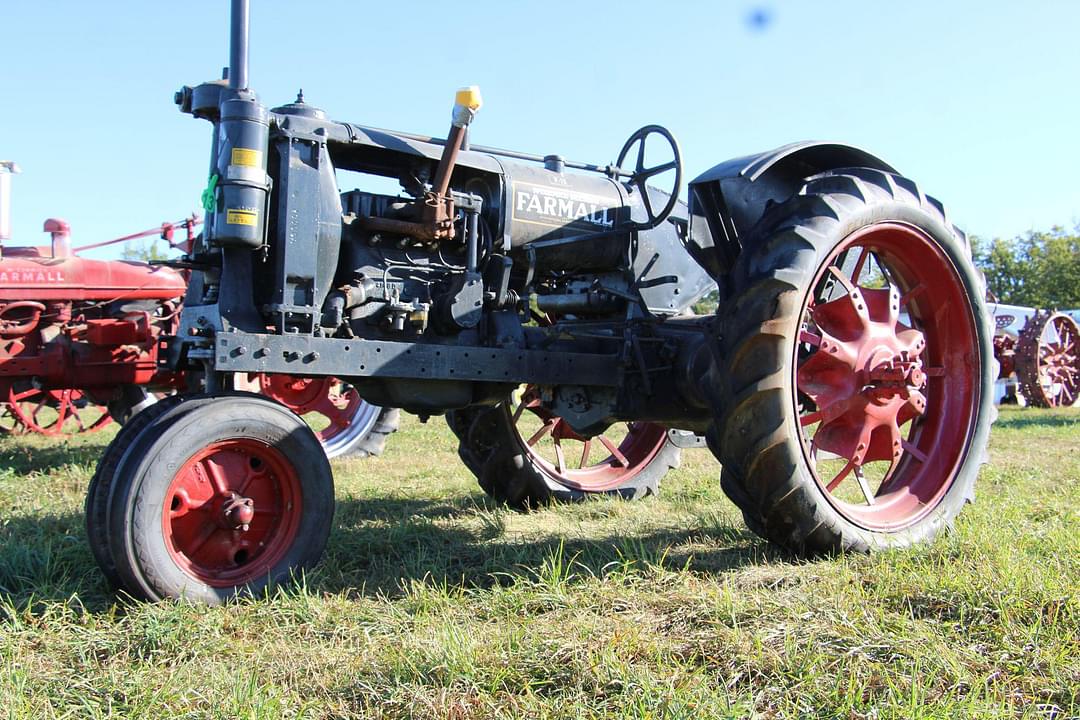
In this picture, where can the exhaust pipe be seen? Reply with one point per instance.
(7, 169)
(238, 44)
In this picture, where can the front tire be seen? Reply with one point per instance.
(856, 368)
(226, 495)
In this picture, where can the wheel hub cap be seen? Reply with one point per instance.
(238, 512)
(868, 379)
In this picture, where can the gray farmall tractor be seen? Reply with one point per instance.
(845, 383)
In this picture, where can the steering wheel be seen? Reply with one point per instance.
(641, 173)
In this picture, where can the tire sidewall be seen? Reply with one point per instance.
(97, 495)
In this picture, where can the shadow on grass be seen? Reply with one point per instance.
(381, 545)
(52, 456)
(46, 558)
(1034, 418)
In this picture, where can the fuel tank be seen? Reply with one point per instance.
(545, 204)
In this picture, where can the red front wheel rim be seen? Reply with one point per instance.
(887, 376)
(590, 464)
(232, 512)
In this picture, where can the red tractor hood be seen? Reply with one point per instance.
(26, 275)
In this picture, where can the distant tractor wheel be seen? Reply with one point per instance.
(525, 457)
(1047, 359)
(856, 368)
(223, 495)
(344, 423)
(52, 412)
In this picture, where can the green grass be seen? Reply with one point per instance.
(433, 603)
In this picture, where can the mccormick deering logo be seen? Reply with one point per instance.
(31, 276)
(558, 207)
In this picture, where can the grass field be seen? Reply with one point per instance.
(433, 603)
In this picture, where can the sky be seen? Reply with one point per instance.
(976, 101)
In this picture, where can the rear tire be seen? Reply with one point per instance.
(374, 441)
(769, 390)
(226, 497)
(515, 473)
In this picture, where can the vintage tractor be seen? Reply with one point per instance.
(1039, 353)
(78, 336)
(845, 383)
(79, 341)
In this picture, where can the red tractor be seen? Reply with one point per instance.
(79, 343)
(1042, 350)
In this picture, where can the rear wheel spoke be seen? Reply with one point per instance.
(519, 410)
(586, 447)
(544, 430)
(842, 278)
(912, 293)
(915, 452)
(614, 450)
(839, 477)
(861, 478)
(560, 458)
(857, 270)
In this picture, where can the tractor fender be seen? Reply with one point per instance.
(727, 200)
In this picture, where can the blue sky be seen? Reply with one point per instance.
(977, 101)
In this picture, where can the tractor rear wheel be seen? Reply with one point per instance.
(1047, 359)
(52, 412)
(525, 457)
(856, 368)
(222, 496)
(345, 423)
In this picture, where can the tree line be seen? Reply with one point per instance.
(1039, 269)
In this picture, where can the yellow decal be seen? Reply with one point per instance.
(246, 157)
(241, 217)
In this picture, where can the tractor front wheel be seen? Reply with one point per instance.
(220, 496)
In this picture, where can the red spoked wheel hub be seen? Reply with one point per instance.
(232, 512)
(52, 412)
(885, 376)
(621, 452)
